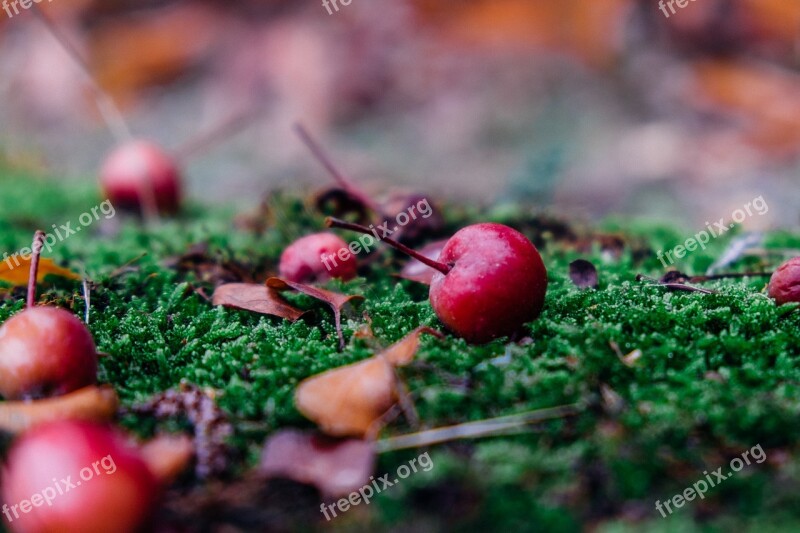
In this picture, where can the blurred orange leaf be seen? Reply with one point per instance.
(347, 401)
(15, 270)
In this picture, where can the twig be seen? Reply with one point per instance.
(675, 286)
(470, 430)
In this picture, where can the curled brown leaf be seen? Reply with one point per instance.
(335, 300)
(257, 298)
(336, 467)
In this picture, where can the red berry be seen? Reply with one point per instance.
(784, 285)
(140, 172)
(302, 261)
(76, 476)
(490, 280)
(45, 351)
(497, 282)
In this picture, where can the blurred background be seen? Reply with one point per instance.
(586, 108)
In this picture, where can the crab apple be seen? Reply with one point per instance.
(138, 175)
(496, 283)
(317, 257)
(76, 476)
(490, 280)
(45, 351)
(784, 285)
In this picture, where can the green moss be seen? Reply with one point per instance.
(718, 373)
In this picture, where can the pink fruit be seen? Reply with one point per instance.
(317, 257)
(139, 175)
(784, 285)
(76, 476)
(490, 280)
(496, 283)
(45, 351)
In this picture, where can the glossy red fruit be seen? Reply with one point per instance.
(490, 280)
(317, 257)
(138, 175)
(76, 476)
(784, 285)
(45, 351)
(496, 283)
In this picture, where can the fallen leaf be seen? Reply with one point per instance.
(583, 274)
(416, 271)
(15, 270)
(347, 401)
(93, 403)
(255, 297)
(211, 427)
(167, 456)
(336, 467)
(403, 351)
(335, 300)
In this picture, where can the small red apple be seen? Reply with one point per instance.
(138, 175)
(496, 283)
(784, 285)
(44, 351)
(490, 280)
(76, 476)
(317, 257)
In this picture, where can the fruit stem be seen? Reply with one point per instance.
(341, 224)
(36, 251)
(343, 181)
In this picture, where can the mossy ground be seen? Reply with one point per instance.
(718, 374)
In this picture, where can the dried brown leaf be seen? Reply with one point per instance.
(336, 467)
(403, 351)
(256, 298)
(335, 300)
(347, 401)
(93, 403)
